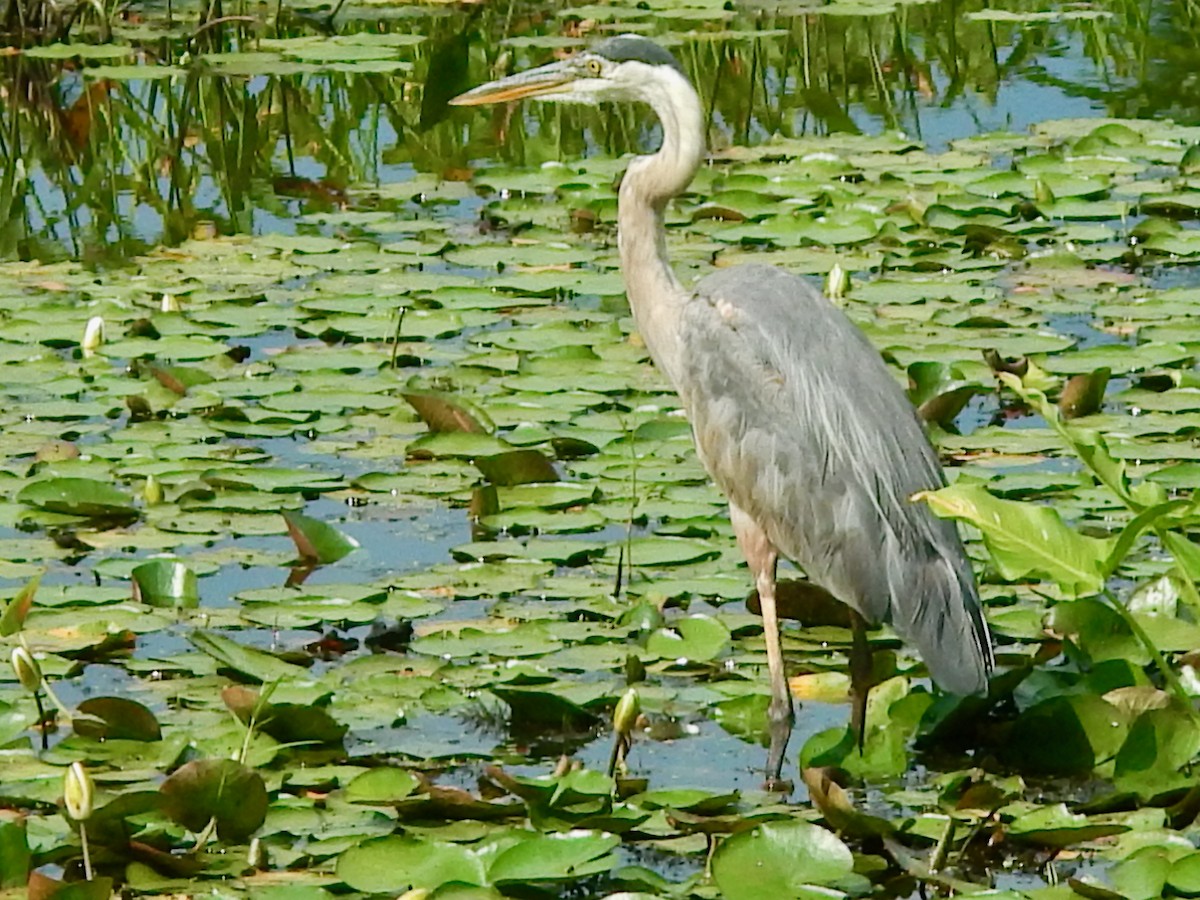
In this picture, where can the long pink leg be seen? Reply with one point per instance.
(762, 558)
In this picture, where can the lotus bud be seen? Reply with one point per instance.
(170, 303)
(93, 335)
(152, 491)
(414, 894)
(1042, 192)
(627, 711)
(78, 792)
(29, 673)
(837, 283)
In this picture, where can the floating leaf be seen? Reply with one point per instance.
(221, 789)
(15, 856)
(1065, 735)
(382, 785)
(393, 864)
(1160, 743)
(779, 859)
(79, 497)
(537, 709)
(554, 857)
(1055, 826)
(116, 718)
(250, 662)
(288, 723)
(690, 640)
(655, 551)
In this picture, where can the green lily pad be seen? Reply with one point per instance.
(79, 497)
(780, 859)
(690, 640)
(393, 864)
(554, 857)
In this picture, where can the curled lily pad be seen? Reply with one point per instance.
(443, 412)
(517, 467)
(1156, 751)
(317, 541)
(1083, 394)
(165, 583)
(939, 391)
(1065, 735)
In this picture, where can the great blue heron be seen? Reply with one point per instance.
(794, 414)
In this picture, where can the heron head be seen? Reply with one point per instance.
(623, 68)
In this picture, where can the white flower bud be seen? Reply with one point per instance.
(626, 713)
(93, 336)
(29, 673)
(78, 792)
(837, 283)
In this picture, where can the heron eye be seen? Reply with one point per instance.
(594, 67)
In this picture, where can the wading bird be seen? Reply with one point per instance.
(794, 413)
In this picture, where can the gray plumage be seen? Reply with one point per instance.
(801, 425)
(795, 415)
(628, 48)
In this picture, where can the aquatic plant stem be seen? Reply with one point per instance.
(1169, 677)
(37, 699)
(87, 852)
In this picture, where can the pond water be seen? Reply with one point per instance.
(286, 230)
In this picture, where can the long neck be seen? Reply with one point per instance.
(655, 294)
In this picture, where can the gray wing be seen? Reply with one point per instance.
(800, 424)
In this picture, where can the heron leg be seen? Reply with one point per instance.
(861, 677)
(762, 558)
